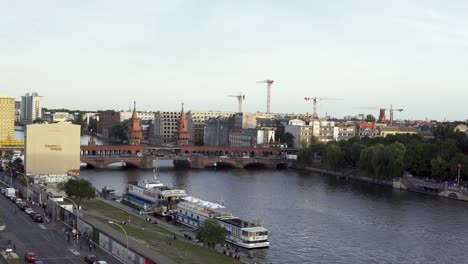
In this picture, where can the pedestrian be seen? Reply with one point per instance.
(175, 237)
(90, 247)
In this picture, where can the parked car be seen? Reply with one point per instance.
(30, 257)
(33, 214)
(18, 200)
(99, 262)
(90, 259)
(38, 218)
(28, 210)
(22, 206)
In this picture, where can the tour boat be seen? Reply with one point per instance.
(153, 196)
(193, 212)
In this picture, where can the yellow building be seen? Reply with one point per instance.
(52, 149)
(7, 118)
(385, 131)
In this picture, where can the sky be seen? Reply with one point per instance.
(105, 54)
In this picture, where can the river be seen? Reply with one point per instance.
(319, 219)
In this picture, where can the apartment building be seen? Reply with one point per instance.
(31, 107)
(7, 118)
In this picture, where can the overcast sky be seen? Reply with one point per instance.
(101, 54)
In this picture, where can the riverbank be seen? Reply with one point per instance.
(412, 184)
(349, 174)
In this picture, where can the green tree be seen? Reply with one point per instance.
(461, 159)
(395, 161)
(439, 168)
(370, 118)
(334, 157)
(211, 233)
(118, 132)
(78, 188)
(38, 121)
(378, 160)
(355, 153)
(286, 138)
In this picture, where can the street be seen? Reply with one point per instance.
(50, 244)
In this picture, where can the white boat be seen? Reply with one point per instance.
(193, 212)
(153, 196)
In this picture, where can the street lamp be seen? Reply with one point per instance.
(126, 254)
(77, 216)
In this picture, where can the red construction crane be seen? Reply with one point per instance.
(269, 83)
(315, 99)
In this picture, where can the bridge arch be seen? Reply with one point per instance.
(256, 164)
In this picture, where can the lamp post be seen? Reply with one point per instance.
(77, 216)
(126, 237)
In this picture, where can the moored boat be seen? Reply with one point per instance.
(193, 212)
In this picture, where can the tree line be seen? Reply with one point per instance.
(387, 157)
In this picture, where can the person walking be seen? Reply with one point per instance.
(90, 247)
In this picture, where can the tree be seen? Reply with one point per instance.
(38, 121)
(355, 154)
(439, 168)
(78, 188)
(370, 118)
(211, 233)
(118, 132)
(286, 138)
(334, 156)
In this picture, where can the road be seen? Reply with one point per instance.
(49, 244)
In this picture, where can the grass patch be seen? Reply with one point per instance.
(118, 215)
(178, 250)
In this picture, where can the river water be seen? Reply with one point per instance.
(319, 219)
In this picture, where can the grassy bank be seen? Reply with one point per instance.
(158, 238)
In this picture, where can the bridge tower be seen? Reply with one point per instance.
(182, 135)
(134, 131)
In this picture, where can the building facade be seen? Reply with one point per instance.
(31, 108)
(216, 132)
(7, 118)
(17, 111)
(52, 149)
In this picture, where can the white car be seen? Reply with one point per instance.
(99, 262)
(28, 210)
(18, 200)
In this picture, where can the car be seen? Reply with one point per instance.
(38, 218)
(12, 198)
(30, 257)
(22, 206)
(28, 210)
(18, 200)
(33, 214)
(99, 262)
(90, 259)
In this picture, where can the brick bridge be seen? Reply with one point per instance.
(199, 162)
(100, 156)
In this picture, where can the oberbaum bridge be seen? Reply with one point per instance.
(136, 155)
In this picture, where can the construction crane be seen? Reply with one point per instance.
(269, 83)
(315, 99)
(240, 98)
(382, 118)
